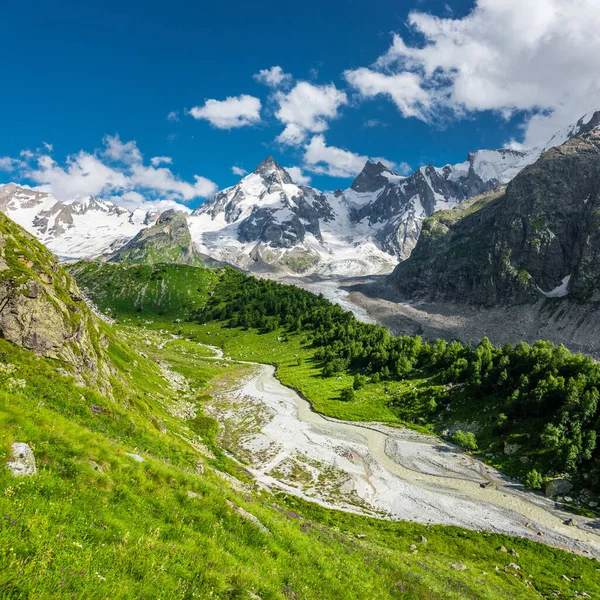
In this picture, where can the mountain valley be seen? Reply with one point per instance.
(186, 412)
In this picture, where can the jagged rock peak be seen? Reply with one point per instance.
(584, 125)
(372, 177)
(270, 169)
(170, 215)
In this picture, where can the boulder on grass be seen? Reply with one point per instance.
(557, 487)
(22, 460)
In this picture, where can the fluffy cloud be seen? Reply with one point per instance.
(328, 160)
(117, 170)
(405, 89)
(538, 56)
(10, 164)
(298, 176)
(160, 160)
(239, 171)
(231, 113)
(118, 151)
(173, 116)
(134, 200)
(273, 77)
(307, 108)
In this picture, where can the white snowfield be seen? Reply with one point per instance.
(79, 228)
(560, 291)
(501, 165)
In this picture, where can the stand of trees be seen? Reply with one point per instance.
(542, 383)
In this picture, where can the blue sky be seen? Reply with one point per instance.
(75, 72)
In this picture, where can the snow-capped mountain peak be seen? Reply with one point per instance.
(587, 123)
(270, 171)
(78, 228)
(373, 177)
(267, 221)
(262, 219)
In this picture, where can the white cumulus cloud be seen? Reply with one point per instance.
(116, 171)
(336, 162)
(231, 113)
(298, 176)
(405, 89)
(239, 171)
(536, 56)
(307, 108)
(274, 77)
(159, 160)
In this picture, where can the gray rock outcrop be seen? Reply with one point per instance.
(22, 460)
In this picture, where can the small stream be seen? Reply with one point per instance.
(391, 473)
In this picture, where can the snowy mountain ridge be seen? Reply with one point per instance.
(267, 222)
(78, 228)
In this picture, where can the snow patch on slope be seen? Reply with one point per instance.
(560, 291)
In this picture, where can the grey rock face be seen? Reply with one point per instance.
(168, 240)
(22, 460)
(557, 487)
(371, 178)
(42, 310)
(541, 238)
(271, 172)
(401, 204)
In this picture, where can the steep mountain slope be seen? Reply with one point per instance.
(79, 228)
(167, 241)
(42, 309)
(539, 239)
(394, 207)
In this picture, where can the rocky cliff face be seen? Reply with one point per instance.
(266, 221)
(42, 309)
(395, 206)
(540, 238)
(167, 241)
(268, 207)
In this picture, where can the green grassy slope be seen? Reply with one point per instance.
(313, 552)
(153, 290)
(116, 528)
(166, 241)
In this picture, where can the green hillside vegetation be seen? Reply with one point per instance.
(542, 397)
(166, 241)
(133, 497)
(540, 400)
(173, 291)
(95, 523)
